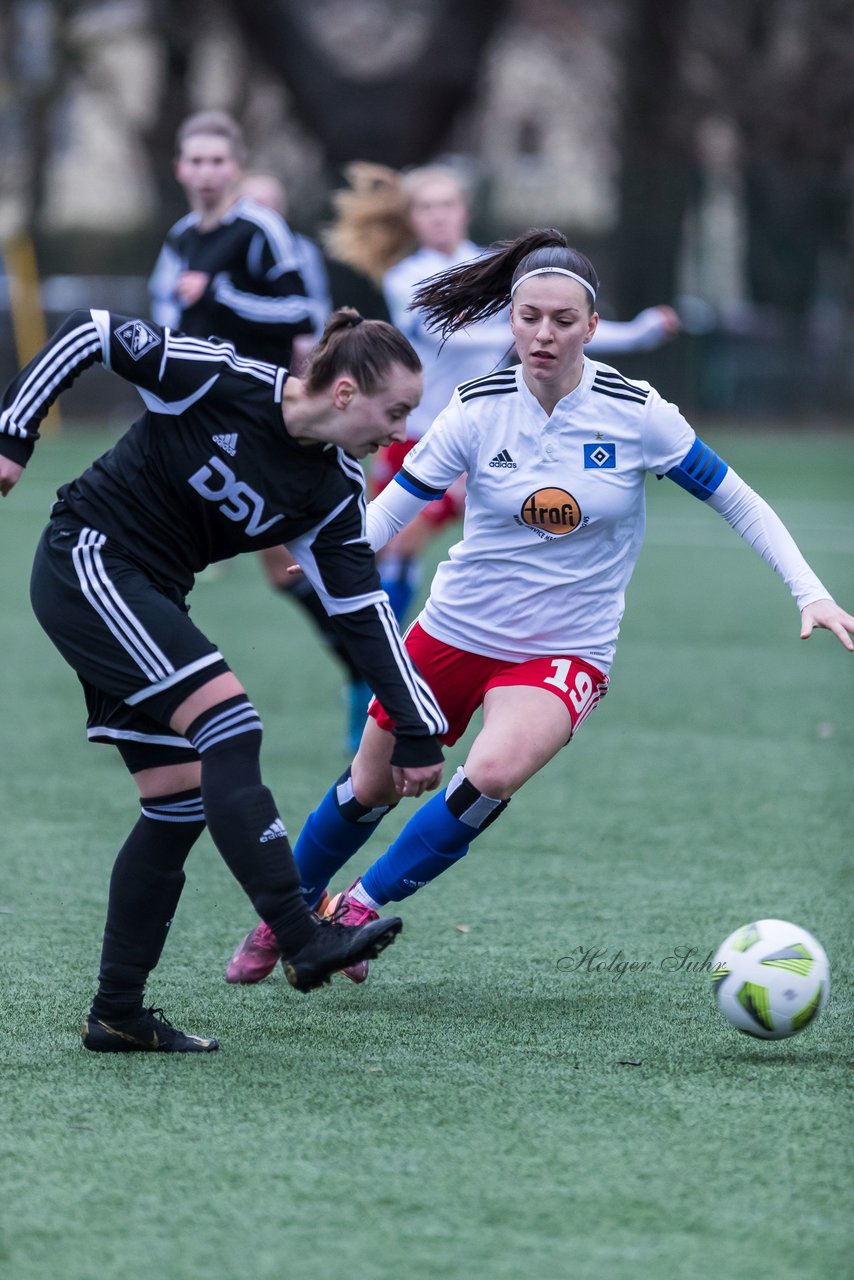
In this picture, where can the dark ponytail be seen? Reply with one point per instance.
(476, 290)
(366, 349)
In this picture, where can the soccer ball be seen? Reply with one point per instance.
(771, 979)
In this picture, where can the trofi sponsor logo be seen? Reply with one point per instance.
(550, 512)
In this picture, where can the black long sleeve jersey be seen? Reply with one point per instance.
(210, 471)
(256, 297)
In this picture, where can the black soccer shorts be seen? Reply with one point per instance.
(134, 648)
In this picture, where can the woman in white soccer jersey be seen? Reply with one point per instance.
(524, 614)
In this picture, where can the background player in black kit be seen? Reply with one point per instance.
(231, 267)
(230, 455)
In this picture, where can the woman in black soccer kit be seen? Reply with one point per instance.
(231, 455)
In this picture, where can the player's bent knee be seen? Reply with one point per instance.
(167, 780)
(372, 778)
(372, 791)
(353, 808)
(492, 777)
(203, 699)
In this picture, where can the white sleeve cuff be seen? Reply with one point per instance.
(389, 512)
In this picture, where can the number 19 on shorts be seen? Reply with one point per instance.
(581, 686)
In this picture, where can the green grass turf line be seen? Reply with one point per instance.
(475, 1109)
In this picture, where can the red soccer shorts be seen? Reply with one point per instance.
(460, 681)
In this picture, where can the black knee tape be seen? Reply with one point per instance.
(349, 806)
(471, 806)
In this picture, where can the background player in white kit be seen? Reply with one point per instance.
(524, 614)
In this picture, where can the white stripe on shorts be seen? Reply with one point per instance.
(181, 674)
(108, 604)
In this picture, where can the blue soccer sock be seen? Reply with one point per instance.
(337, 829)
(400, 576)
(435, 837)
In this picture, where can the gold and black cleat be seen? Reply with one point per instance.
(149, 1032)
(338, 946)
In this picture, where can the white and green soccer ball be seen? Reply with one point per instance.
(771, 979)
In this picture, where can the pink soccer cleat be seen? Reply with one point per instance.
(342, 909)
(256, 957)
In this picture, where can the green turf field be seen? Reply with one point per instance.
(478, 1109)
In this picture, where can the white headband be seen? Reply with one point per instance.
(549, 271)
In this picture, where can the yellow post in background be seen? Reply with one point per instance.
(28, 322)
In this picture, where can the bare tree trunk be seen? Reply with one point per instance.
(658, 167)
(37, 60)
(400, 118)
(796, 119)
(177, 23)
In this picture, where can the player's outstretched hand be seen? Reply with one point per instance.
(827, 613)
(670, 320)
(414, 781)
(10, 474)
(190, 286)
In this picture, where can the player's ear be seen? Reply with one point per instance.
(343, 391)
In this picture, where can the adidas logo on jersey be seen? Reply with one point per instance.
(503, 459)
(275, 831)
(227, 443)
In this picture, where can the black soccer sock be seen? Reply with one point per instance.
(146, 883)
(244, 822)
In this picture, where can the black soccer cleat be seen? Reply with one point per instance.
(337, 946)
(150, 1032)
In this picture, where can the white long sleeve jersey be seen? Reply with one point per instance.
(555, 511)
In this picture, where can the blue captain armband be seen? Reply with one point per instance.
(700, 471)
(417, 487)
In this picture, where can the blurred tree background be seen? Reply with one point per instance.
(702, 153)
